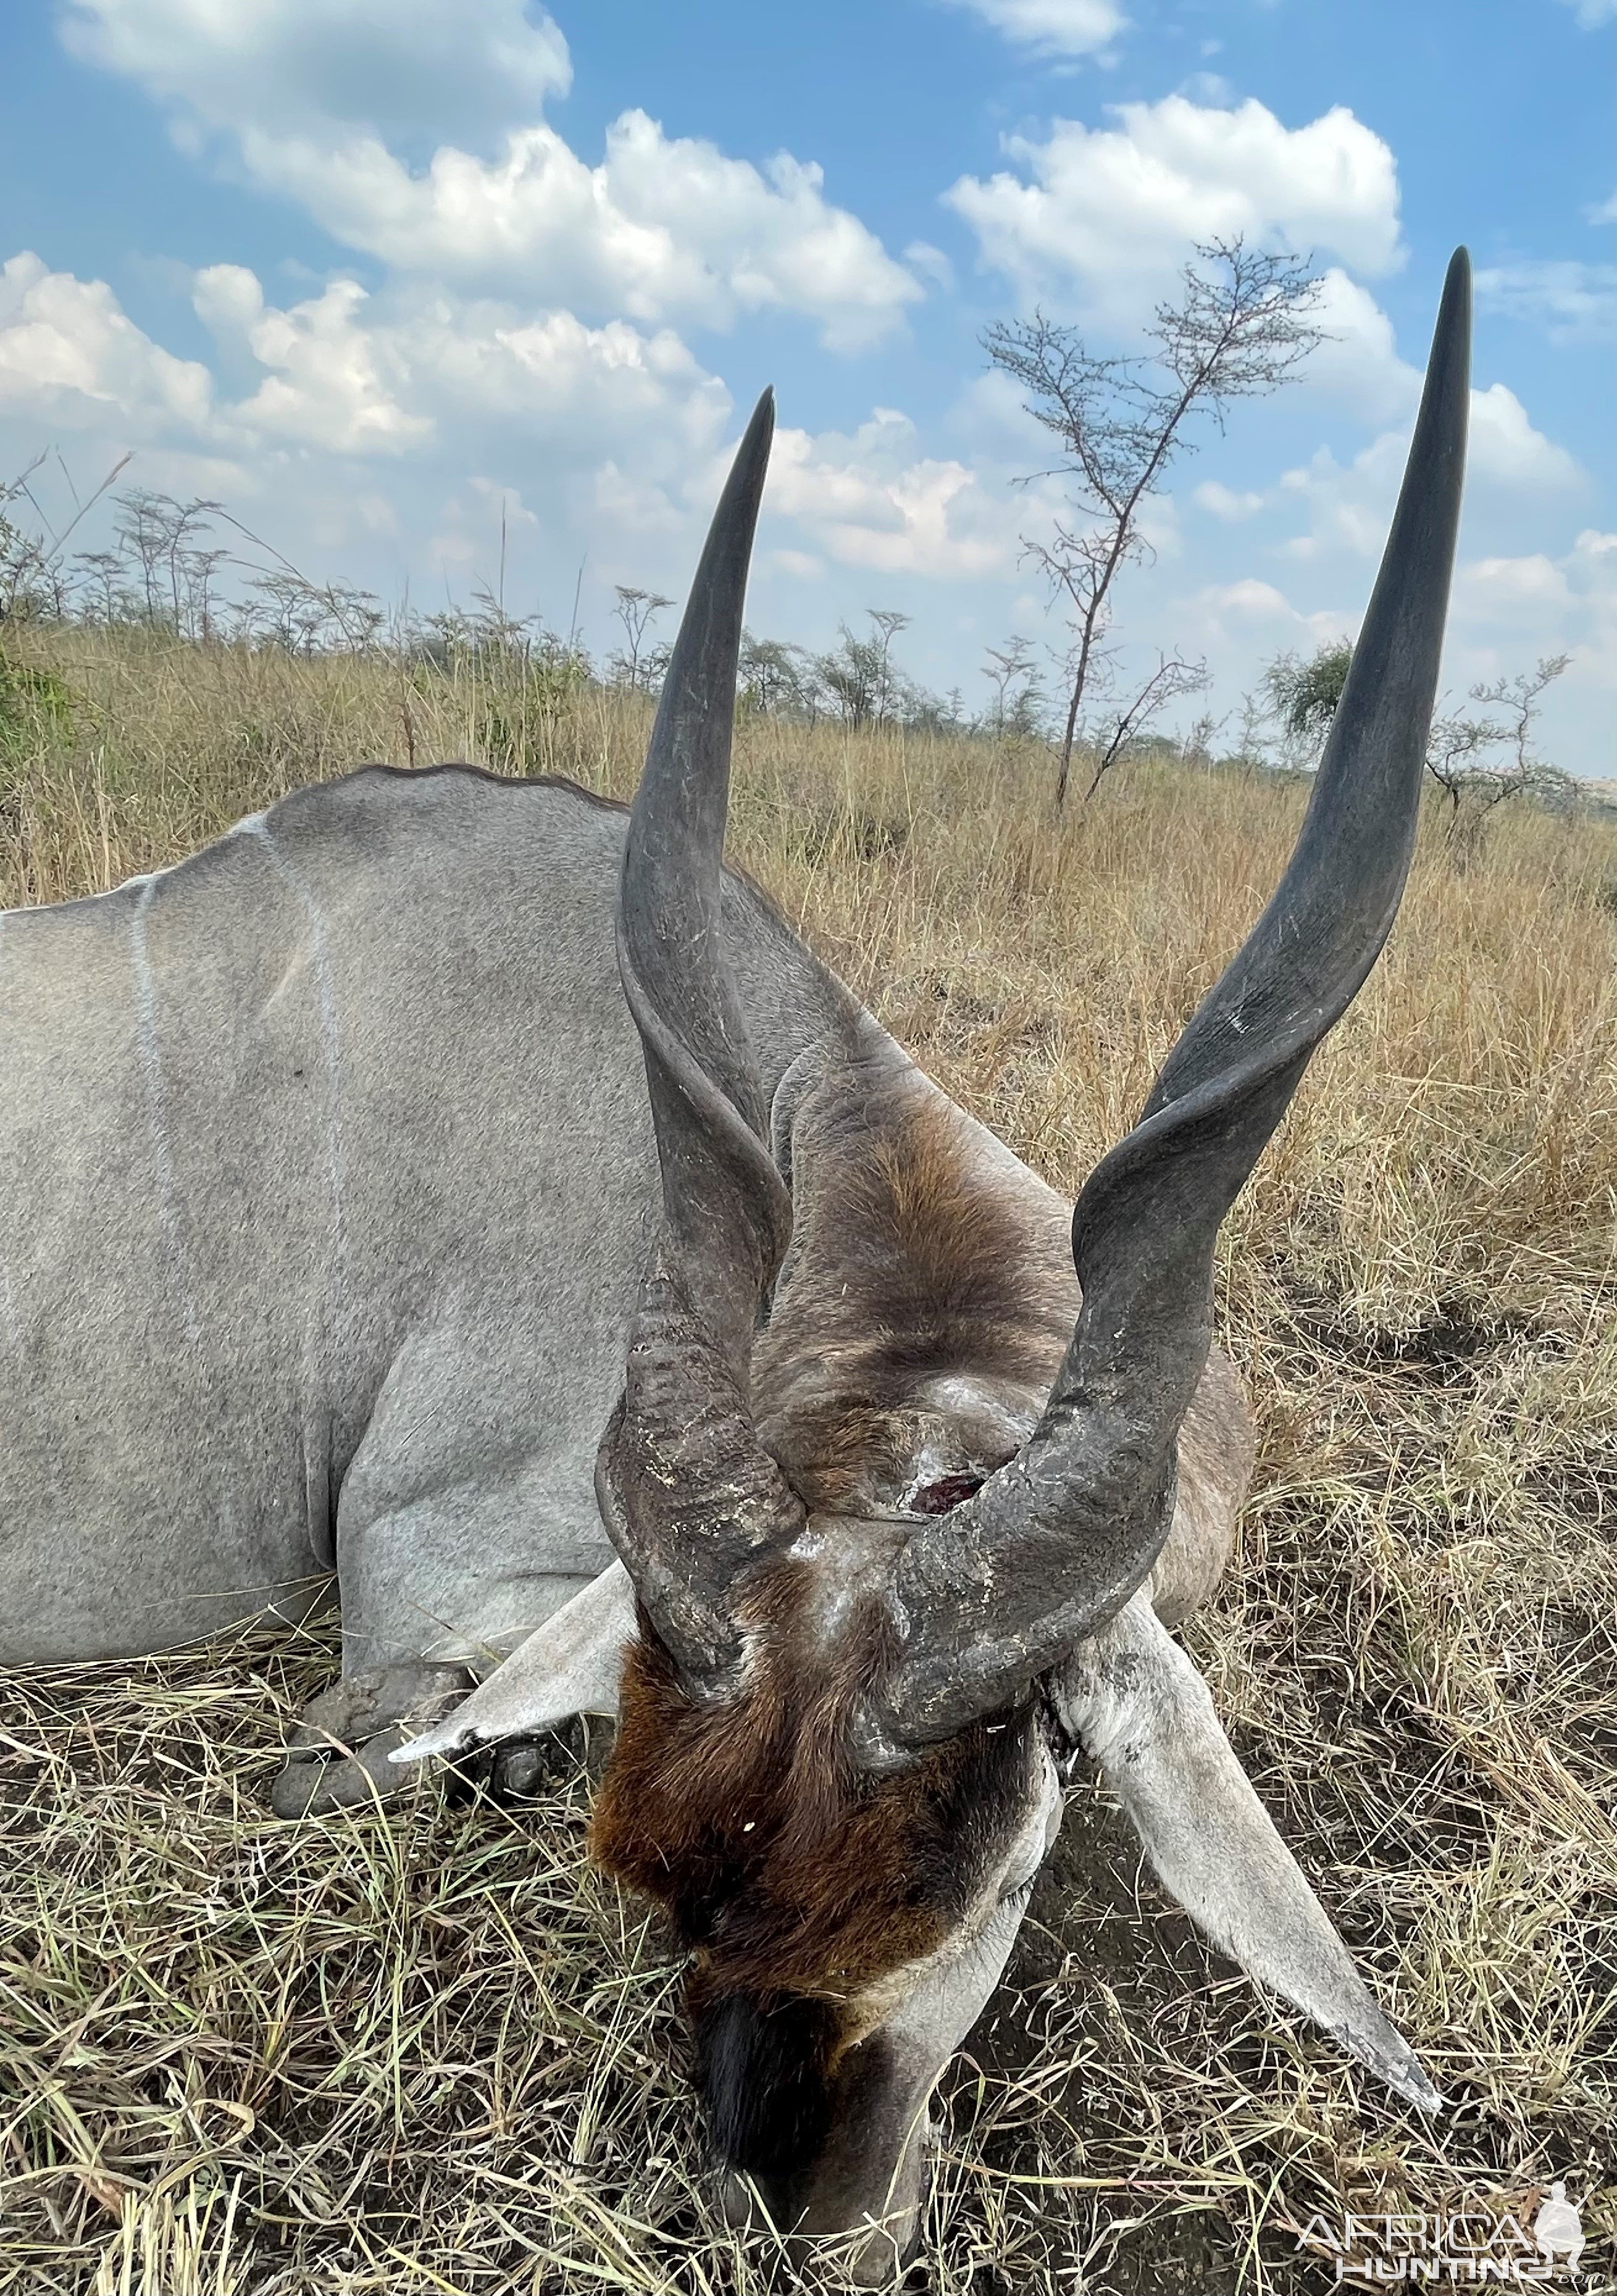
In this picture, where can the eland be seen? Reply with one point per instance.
(469, 1190)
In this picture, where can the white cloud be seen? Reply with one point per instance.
(1099, 217)
(614, 435)
(441, 389)
(1358, 362)
(1208, 88)
(1249, 611)
(376, 437)
(1505, 613)
(1510, 592)
(1530, 600)
(350, 374)
(326, 104)
(1350, 505)
(665, 228)
(69, 356)
(519, 349)
(872, 500)
(1509, 611)
(1506, 451)
(396, 65)
(1223, 502)
(1059, 27)
(1571, 302)
(1592, 13)
(931, 263)
(327, 383)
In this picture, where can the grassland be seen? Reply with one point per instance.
(432, 2051)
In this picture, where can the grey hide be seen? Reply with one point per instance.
(330, 1180)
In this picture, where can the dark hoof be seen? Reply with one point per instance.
(515, 1770)
(337, 1753)
(511, 1771)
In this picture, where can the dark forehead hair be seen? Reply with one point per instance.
(794, 1879)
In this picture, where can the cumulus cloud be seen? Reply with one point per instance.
(355, 375)
(426, 384)
(663, 228)
(1509, 610)
(1512, 592)
(613, 433)
(326, 383)
(1537, 599)
(1506, 451)
(513, 359)
(1058, 28)
(398, 66)
(325, 104)
(1570, 302)
(1505, 613)
(1225, 617)
(69, 356)
(1098, 216)
(873, 500)
(1359, 363)
(1349, 505)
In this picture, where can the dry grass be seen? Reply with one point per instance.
(432, 2052)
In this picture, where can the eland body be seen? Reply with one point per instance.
(468, 1189)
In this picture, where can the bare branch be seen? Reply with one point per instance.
(1171, 680)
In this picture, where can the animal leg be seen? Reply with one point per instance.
(337, 1753)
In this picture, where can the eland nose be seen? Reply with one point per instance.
(866, 2242)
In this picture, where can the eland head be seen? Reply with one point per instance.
(881, 1575)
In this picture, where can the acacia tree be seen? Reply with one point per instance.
(1240, 325)
(1006, 667)
(1457, 752)
(636, 609)
(885, 624)
(1305, 694)
(858, 674)
(777, 679)
(1479, 756)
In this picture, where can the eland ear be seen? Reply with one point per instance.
(1140, 1710)
(570, 1665)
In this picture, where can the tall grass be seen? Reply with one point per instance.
(432, 2051)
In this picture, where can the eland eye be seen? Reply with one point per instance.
(949, 1490)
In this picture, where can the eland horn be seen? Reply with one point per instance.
(992, 1594)
(688, 1497)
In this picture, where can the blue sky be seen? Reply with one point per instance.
(368, 270)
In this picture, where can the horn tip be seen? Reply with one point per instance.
(1457, 278)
